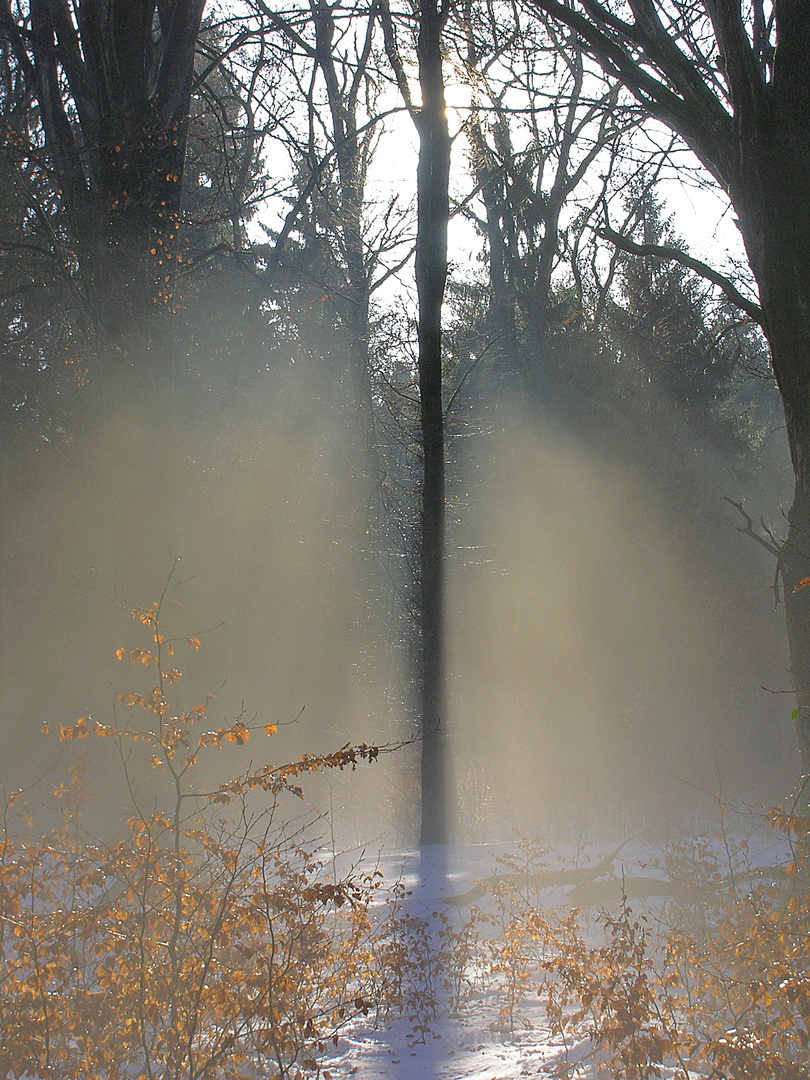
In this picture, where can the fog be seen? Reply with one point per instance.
(610, 632)
(610, 658)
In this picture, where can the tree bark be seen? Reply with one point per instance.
(118, 141)
(779, 249)
(769, 187)
(433, 209)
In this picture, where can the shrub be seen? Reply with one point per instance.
(203, 942)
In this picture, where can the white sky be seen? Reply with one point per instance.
(701, 213)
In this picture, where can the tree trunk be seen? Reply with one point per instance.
(489, 180)
(784, 280)
(351, 157)
(431, 274)
(118, 146)
(773, 206)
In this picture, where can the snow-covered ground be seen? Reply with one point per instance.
(463, 1047)
(441, 884)
(468, 1044)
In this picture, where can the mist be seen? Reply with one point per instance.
(610, 650)
(609, 637)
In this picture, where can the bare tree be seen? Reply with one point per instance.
(113, 83)
(433, 214)
(535, 132)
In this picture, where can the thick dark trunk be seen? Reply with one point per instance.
(118, 147)
(773, 207)
(431, 274)
(788, 330)
(795, 562)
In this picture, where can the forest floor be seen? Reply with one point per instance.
(469, 1042)
(467, 1030)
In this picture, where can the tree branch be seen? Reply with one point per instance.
(770, 546)
(664, 251)
(748, 529)
(670, 87)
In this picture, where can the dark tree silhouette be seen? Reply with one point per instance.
(433, 209)
(433, 215)
(113, 81)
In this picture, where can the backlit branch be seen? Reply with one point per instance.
(673, 254)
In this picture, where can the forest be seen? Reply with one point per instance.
(404, 448)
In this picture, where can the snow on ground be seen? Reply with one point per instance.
(466, 1045)
(460, 1048)
(472, 1045)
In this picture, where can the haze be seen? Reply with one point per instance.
(610, 633)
